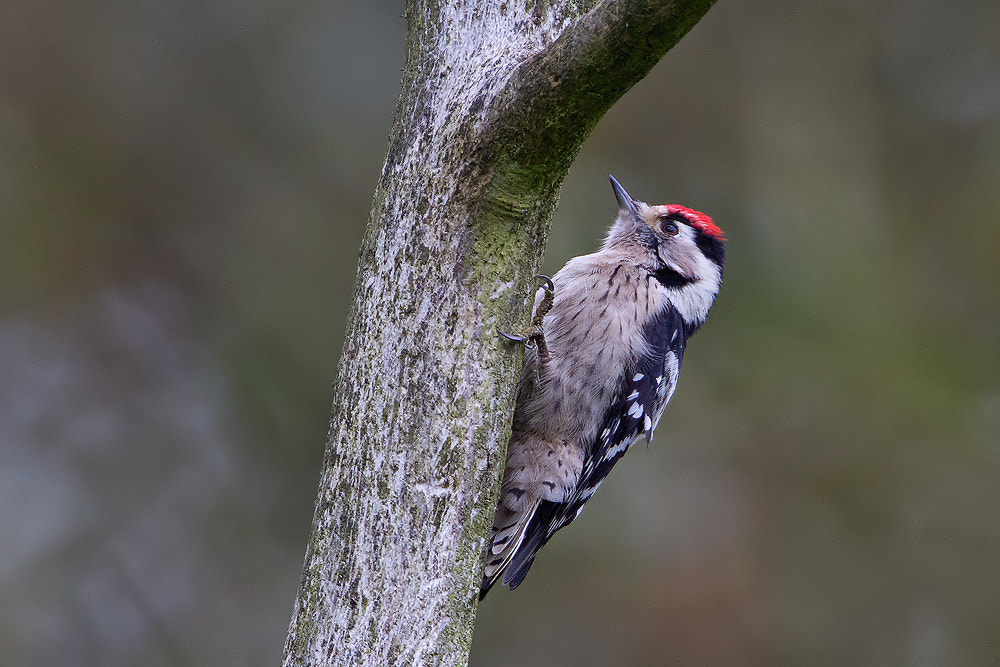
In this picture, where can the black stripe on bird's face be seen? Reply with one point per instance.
(670, 278)
(712, 247)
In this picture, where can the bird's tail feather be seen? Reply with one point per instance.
(536, 534)
(511, 565)
(509, 529)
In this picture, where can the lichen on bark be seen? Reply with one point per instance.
(496, 100)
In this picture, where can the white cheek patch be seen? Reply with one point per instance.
(678, 252)
(682, 255)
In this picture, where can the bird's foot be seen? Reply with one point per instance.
(534, 336)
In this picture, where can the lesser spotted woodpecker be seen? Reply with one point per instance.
(602, 359)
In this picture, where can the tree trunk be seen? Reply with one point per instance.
(496, 100)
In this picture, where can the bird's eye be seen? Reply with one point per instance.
(669, 227)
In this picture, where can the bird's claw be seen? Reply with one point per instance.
(516, 338)
(545, 305)
(534, 336)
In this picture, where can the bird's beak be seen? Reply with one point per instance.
(624, 200)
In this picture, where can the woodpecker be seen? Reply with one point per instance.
(603, 352)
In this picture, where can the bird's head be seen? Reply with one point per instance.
(681, 247)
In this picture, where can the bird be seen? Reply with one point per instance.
(602, 357)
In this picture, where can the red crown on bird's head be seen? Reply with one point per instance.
(698, 220)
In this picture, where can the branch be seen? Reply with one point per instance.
(556, 97)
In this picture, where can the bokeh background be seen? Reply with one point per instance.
(183, 189)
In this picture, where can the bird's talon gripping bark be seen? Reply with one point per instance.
(516, 338)
(544, 306)
(534, 336)
(529, 337)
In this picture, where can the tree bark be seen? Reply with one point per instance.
(496, 99)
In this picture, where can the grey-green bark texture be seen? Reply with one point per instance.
(496, 99)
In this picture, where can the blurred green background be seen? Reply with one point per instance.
(183, 189)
